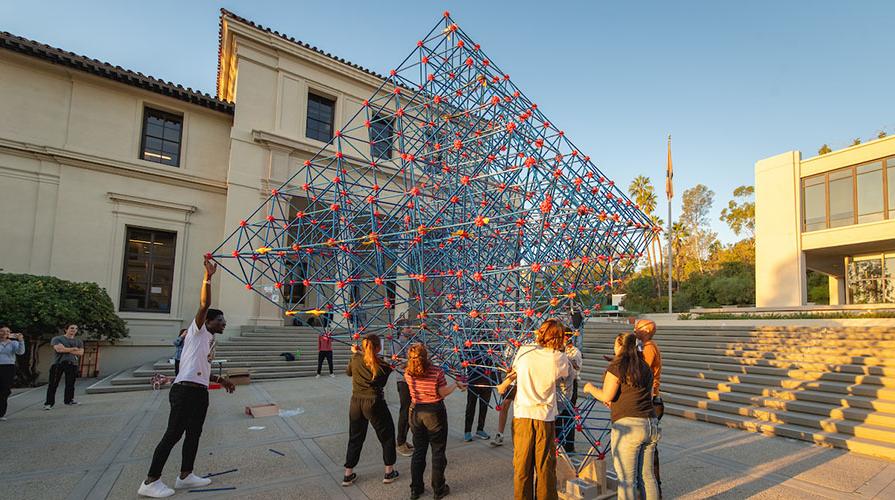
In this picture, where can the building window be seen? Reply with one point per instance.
(814, 196)
(851, 195)
(841, 198)
(890, 182)
(381, 131)
(321, 112)
(889, 275)
(869, 183)
(162, 133)
(148, 276)
(294, 291)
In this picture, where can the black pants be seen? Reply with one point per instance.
(430, 427)
(189, 404)
(7, 375)
(328, 356)
(403, 424)
(480, 395)
(568, 441)
(176, 367)
(70, 370)
(372, 411)
(660, 410)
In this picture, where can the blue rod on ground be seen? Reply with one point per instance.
(277, 452)
(225, 488)
(220, 473)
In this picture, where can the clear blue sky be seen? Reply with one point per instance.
(733, 82)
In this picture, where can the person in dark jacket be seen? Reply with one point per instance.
(369, 374)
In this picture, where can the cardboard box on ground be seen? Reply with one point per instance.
(589, 484)
(265, 410)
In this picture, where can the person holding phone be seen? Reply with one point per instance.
(11, 345)
(189, 397)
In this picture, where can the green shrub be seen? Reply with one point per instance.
(39, 306)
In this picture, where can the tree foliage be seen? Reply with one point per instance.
(695, 250)
(740, 215)
(824, 149)
(39, 306)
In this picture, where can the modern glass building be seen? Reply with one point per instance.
(833, 214)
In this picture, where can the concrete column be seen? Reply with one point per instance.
(780, 278)
(837, 290)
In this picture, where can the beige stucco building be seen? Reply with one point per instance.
(110, 176)
(834, 214)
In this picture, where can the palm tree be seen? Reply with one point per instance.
(679, 235)
(644, 194)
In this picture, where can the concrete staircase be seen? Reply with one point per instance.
(256, 349)
(830, 386)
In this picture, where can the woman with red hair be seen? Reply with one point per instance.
(428, 419)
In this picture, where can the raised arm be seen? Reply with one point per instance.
(20, 349)
(205, 295)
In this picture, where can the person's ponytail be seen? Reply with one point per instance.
(371, 345)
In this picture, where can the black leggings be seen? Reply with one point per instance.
(189, 404)
(375, 412)
(474, 394)
(70, 371)
(430, 427)
(7, 375)
(403, 423)
(328, 356)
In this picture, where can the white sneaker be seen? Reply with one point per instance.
(48, 407)
(156, 489)
(2, 419)
(191, 481)
(318, 376)
(333, 375)
(497, 440)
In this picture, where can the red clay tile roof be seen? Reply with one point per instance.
(227, 13)
(105, 70)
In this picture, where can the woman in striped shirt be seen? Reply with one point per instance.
(428, 419)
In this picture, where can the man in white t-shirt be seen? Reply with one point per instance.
(189, 396)
(537, 369)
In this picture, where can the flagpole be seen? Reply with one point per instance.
(669, 192)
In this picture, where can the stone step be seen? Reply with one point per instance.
(833, 425)
(824, 438)
(142, 384)
(595, 372)
(670, 345)
(728, 368)
(303, 371)
(846, 364)
(695, 332)
(862, 415)
(277, 361)
(778, 354)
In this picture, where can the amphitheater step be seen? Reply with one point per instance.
(831, 386)
(862, 415)
(824, 438)
(735, 365)
(770, 359)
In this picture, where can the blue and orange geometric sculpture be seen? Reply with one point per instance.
(451, 203)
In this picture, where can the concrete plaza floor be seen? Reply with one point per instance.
(102, 449)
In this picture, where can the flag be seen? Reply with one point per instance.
(669, 174)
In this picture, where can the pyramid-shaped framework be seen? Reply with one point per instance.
(450, 211)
